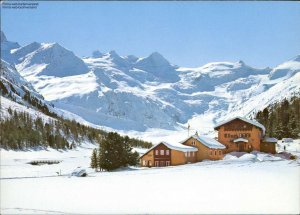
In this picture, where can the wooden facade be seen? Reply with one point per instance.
(238, 129)
(204, 152)
(163, 155)
(268, 147)
(243, 136)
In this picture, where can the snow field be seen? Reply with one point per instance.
(242, 187)
(240, 183)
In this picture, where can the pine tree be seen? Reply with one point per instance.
(94, 160)
(133, 159)
(115, 151)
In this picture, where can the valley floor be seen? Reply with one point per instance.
(252, 183)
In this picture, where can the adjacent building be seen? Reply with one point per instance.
(166, 154)
(208, 148)
(244, 135)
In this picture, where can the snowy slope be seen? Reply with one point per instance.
(287, 69)
(130, 93)
(270, 181)
(13, 90)
(213, 90)
(14, 86)
(282, 82)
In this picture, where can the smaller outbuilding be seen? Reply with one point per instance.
(167, 154)
(268, 145)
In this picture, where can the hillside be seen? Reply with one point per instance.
(28, 121)
(282, 119)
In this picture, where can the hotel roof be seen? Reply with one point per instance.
(255, 123)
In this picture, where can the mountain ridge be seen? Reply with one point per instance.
(132, 93)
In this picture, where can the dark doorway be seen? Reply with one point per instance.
(241, 147)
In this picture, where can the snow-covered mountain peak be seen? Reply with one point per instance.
(156, 55)
(286, 69)
(51, 45)
(117, 61)
(242, 63)
(158, 66)
(49, 59)
(97, 54)
(113, 54)
(218, 66)
(24, 50)
(54, 47)
(154, 59)
(131, 58)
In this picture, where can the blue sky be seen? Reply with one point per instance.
(186, 33)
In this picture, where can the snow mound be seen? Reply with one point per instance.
(79, 172)
(267, 157)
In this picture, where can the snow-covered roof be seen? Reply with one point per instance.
(174, 146)
(270, 139)
(255, 123)
(180, 147)
(208, 142)
(240, 140)
(287, 139)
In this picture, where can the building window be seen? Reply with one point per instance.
(193, 142)
(215, 152)
(144, 163)
(225, 135)
(162, 152)
(156, 163)
(219, 152)
(156, 152)
(167, 163)
(167, 152)
(150, 163)
(210, 152)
